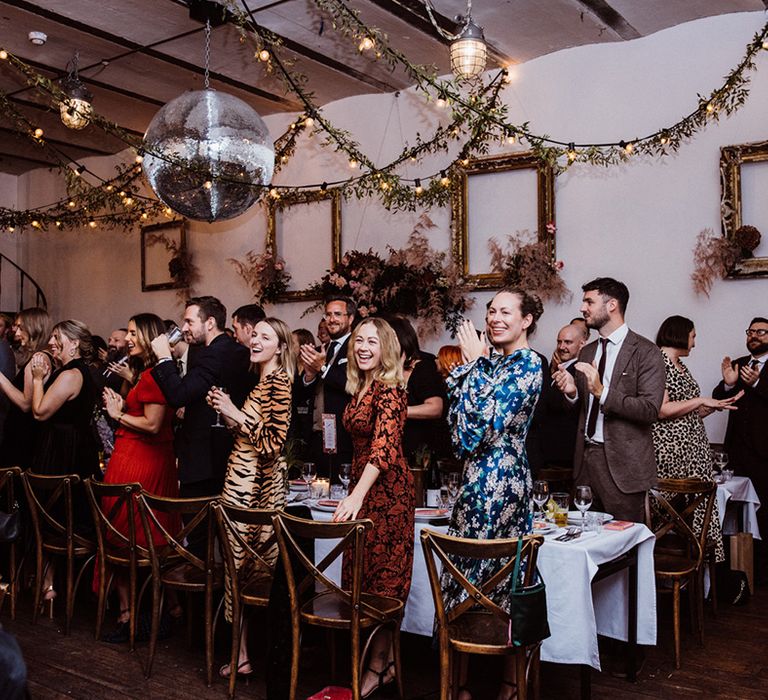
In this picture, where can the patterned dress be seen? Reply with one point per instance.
(491, 405)
(682, 446)
(256, 474)
(375, 421)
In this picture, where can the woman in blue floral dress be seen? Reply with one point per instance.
(492, 397)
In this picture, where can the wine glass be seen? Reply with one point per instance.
(218, 423)
(308, 473)
(453, 484)
(582, 499)
(540, 495)
(345, 474)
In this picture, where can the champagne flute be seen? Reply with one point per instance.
(582, 499)
(540, 495)
(218, 423)
(308, 473)
(345, 475)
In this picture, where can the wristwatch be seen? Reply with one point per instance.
(323, 369)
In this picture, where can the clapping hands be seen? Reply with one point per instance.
(472, 343)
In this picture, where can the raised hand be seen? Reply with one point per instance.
(472, 346)
(730, 373)
(589, 370)
(565, 382)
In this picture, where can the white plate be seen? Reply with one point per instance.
(298, 486)
(424, 515)
(574, 516)
(548, 527)
(325, 505)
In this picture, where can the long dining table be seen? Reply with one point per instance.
(579, 607)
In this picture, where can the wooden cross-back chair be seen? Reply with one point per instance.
(478, 625)
(116, 549)
(174, 566)
(250, 580)
(679, 550)
(53, 524)
(10, 505)
(329, 605)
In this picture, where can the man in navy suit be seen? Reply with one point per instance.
(201, 448)
(619, 387)
(325, 374)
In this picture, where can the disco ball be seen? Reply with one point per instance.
(225, 149)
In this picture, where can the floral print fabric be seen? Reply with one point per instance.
(491, 405)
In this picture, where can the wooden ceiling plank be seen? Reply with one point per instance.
(60, 142)
(153, 53)
(612, 18)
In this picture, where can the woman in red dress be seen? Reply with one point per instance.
(382, 486)
(143, 442)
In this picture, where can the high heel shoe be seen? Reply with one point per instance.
(121, 633)
(49, 595)
(381, 675)
(225, 670)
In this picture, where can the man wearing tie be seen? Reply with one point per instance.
(325, 374)
(619, 388)
(746, 438)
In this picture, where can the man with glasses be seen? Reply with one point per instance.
(746, 438)
(325, 374)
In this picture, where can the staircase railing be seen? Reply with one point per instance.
(27, 291)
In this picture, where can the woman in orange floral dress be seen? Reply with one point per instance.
(382, 486)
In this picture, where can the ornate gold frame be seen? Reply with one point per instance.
(545, 176)
(309, 197)
(731, 158)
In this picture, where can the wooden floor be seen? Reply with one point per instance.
(733, 663)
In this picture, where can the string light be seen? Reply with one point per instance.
(664, 138)
(139, 158)
(324, 187)
(264, 55)
(3, 54)
(92, 224)
(71, 204)
(168, 211)
(208, 184)
(464, 161)
(128, 201)
(353, 163)
(444, 179)
(35, 223)
(274, 193)
(418, 188)
(441, 101)
(38, 133)
(710, 107)
(309, 122)
(571, 152)
(366, 44)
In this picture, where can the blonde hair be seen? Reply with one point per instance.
(286, 358)
(76, 330)
(390, 369)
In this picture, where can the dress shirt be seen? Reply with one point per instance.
(338, 343)
(760, 359)
(612, 348)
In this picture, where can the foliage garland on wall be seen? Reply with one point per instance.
(478, 120)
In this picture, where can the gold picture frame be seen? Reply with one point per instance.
(731, 160)
(160, 244)
(275, 206)
(545, 188)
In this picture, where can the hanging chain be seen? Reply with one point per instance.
(206, 79)
(442, 32)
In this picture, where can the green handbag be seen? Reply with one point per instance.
(528, 623)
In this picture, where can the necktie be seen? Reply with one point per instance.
(595, 408)
(331, 351)
(754, 364)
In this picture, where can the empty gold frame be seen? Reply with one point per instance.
(460, 208)
(731, 160)
(160, 245)
(330, 228)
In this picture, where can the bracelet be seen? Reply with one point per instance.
(120, 417)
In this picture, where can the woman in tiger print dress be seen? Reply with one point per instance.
(256, 472)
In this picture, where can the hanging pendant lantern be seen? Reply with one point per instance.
(76, 109)
(469, 51)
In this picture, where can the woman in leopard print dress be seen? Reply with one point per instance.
(679, 437)
(256, 474)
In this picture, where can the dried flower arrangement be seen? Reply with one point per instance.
(415, 281)
(527, 262)
(714, 257)
(181, 267)
(264, 273)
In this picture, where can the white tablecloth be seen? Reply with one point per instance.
(738, 489)
(577, 611)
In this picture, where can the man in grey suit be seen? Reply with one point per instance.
(619, 387)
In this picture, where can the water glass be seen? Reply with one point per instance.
(345, 475)
(561, 500)
(540, 493)
(338, 491)
(593, 522)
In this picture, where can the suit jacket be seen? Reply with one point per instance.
(203, 451)
(335, 396)
(534, 442)
(560, 427)
(746, 438)
(632, 406)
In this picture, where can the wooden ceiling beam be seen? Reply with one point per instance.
(612, 18)
(66, 144)
(153, 53)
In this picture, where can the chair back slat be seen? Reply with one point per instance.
(46, 495)
(108, 536)
(149, 506)
(8, 475)
(352, 535)
(446, 549)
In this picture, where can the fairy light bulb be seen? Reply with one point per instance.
(207, 184)
(366, 44)
(264, 55)
(35, 223)
(71, 204)
(441, 102)
(274, 193)
(444, 179)
(309, 122)
(92, 224)
(710, 107)
(418, 188)
(353, 163)
(4, 54)
(571, 152)
(38, 133)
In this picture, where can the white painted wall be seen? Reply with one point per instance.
(637, 222)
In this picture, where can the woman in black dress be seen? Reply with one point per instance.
(63, 403)
(32, 331)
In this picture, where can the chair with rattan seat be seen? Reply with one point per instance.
(51, 512)
(117, 550)
(9, 476)
(679, 551)
(251, 579)
(478, 625)
(318, 601)
(175, 567)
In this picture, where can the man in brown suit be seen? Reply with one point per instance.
(619, 386)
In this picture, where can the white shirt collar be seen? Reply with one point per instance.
(617, 337)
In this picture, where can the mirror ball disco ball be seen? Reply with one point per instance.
(219, 136)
